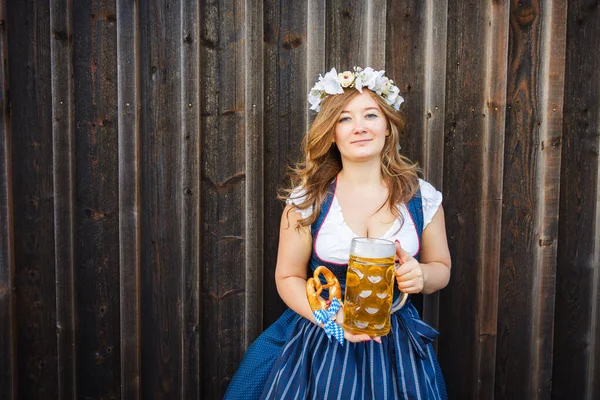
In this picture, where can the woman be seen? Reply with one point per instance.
(353, 183)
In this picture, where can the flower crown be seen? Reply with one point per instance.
(333, 83)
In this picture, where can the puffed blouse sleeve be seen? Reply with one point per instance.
(297, 197)
(431, 199)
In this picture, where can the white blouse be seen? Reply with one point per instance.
(334, 237)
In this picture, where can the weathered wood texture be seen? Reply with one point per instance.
(530, 199)
(576, 366)
(29, 82)
(465, 127)
(96, 199)
(63, 151)
(8, 337)
(142, 145)
(129, 214)
(160, 158)
(190, 201)
(285, 122)
(231, 174)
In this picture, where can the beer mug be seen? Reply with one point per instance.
(370, 287)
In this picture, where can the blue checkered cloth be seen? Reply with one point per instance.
(327, 317)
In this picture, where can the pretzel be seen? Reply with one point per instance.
(314, 289)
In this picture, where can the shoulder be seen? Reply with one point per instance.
(428, 191)
(431, 199)
(297, 197)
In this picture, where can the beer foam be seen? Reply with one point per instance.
(373, 248)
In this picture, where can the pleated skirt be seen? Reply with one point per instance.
(294, 359)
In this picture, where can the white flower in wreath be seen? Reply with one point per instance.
(386, 86)
(359, 78)
(373, 79)
(314, 98)
(393, 97)
(392, 94)
(329, 83)
(346, 78)
(398, 102)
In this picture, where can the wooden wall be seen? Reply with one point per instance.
(142, 144)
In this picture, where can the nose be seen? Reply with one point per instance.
(359, 126)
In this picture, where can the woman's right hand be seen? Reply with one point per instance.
(351, 337)
(362, 337)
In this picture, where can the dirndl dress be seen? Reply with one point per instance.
(294, 359)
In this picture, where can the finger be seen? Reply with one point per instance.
(406, 270)
(402, 270)
(339, 317)
(377, 339)
(412, 275)
(402, 256)
(356, 338)
(399, 250)
(410, 287)
(407, 285)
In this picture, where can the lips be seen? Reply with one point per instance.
(361, 141)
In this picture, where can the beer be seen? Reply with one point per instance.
(369, 287)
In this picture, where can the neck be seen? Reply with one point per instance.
(361, 174)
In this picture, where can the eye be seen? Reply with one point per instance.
(344, 119)
(371, 116)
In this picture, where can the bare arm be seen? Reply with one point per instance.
(432, 272)
(295, 246)
(435, 256)
(292, 261)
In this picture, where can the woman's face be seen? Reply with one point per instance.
(361, 129)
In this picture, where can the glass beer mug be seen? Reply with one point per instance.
(370, 287)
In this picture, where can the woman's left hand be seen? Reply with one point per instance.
(409, 274)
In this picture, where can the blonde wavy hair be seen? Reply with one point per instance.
(322, 160)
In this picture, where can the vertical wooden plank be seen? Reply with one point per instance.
(405, 64)
(576, 361)
(491, 202)
(465, 120)
(434, 35)
(316, 59)
(96, 199)
(190, 200)
(61, 54)
(223, 172)
(8, 332)
(433, 126)
(31, 122)
(160, 208)
(551, 90)
(592, 383)
(129, 195)
(531, 186)
(253, 129)
(345, 34)
(374, 36)
(285, 66)
(513, 378)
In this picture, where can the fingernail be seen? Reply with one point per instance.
(397, 241)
